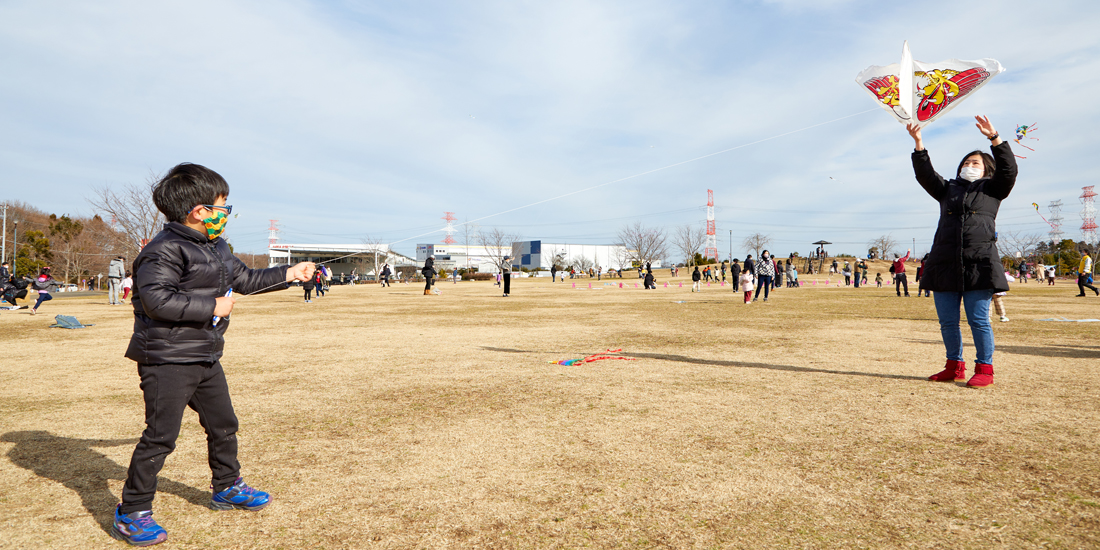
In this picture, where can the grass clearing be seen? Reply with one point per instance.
(382, 418)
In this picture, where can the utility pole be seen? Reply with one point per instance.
(15, 247)
(731, 245)
(4, 238)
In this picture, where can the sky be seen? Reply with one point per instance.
(560, 121)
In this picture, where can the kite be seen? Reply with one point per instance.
(593, 358)
(1036, 205)
(1021, 134)
(932, 89)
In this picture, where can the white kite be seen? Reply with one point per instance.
(935, 88)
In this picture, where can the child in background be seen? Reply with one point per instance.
(878, 279)
(746, 284)
(181, 280)
(42, 285)
(998, 300)
(127, 286)
(319, 283)
(308, 287)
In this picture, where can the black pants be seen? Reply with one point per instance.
(507, 283)
(308, 292)
(168, 390)
(385, 280)
(427, 283)
(736, 281)
(899, 282)
(1083, 283)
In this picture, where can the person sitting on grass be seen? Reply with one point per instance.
(181, 281)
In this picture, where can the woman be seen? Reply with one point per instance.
(964, 265)
(765, 270)
(428, 271)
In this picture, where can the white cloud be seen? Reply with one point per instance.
(360, 120)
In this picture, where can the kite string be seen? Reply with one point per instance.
(638, 175)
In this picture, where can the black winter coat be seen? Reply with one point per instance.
(177, 277)
(964, 251)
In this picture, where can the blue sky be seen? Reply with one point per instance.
(351, 120)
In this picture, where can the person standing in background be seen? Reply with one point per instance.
(1084, 275)
(899, 273)
(115, 272)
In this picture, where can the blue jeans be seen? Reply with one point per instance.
(42, 297)
(763, 284)
(976, 303)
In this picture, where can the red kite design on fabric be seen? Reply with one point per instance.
(925, 91)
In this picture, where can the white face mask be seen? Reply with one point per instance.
(971, 173)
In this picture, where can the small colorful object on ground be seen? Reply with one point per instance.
(68, 321)
(592, 358)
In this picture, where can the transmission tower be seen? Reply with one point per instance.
(1055, 208)
(450, 229)
(711, 251)
(273, 233)
(1088, 215)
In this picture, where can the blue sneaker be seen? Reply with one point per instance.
(241, 497)
(138, 528)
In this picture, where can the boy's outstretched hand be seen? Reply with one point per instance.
(300, 272)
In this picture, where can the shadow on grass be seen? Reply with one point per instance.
(75, 464)
(1075, 351)
(767, 366)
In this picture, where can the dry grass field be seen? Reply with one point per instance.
(382, 418)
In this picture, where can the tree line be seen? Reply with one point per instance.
(79, 248)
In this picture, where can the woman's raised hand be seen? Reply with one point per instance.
(987, 130)
(914, 131)
(984, 126)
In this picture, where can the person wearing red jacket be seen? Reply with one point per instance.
(899, 274)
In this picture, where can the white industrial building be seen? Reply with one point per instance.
(347, 257)
(475, 257)
(542, 255)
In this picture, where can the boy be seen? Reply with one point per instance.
(181, 280)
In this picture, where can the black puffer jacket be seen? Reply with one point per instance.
(964, 252)
(177, 277)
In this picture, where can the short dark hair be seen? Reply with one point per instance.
(185, 186)
(987, 161)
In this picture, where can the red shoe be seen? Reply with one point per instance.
(953, 371)
(983, 376)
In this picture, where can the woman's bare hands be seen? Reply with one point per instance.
(986, 128)
(914, 131)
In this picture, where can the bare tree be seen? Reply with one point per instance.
(582, 264)
(883, 246)
(622, 259)
(689, 241)
(368, 262)
(1019, 242)
(756, 242)
(497, 243)
(558, 257)
(131, 207)
(469, 233)
(643, 244)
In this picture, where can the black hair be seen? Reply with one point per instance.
(987, 161)
(186, 186)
